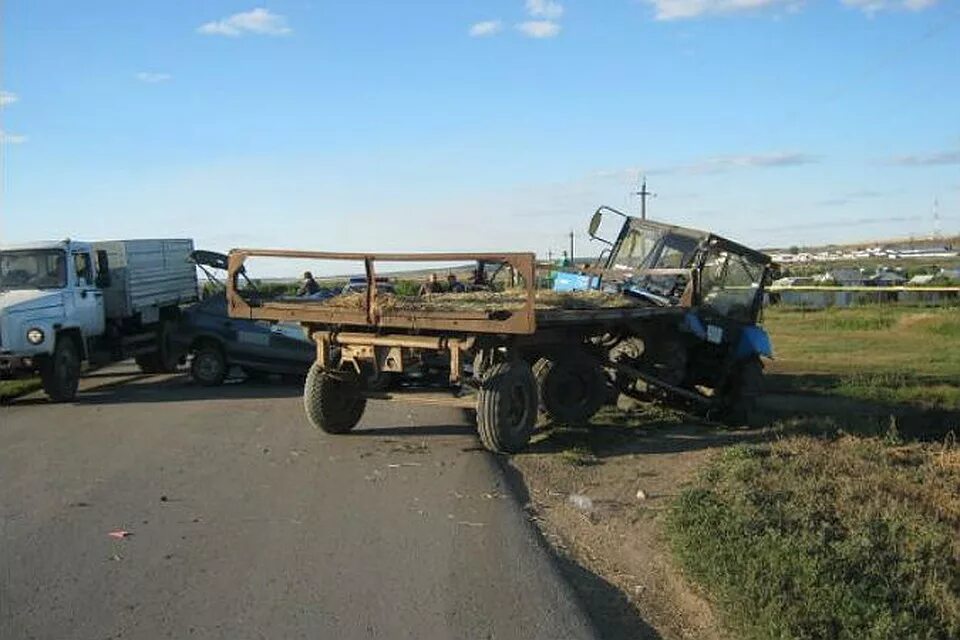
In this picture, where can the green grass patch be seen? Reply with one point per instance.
(807, 538)
(884, 353)
(14, 388)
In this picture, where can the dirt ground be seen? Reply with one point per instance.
(599, 497)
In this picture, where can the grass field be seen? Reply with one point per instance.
(807, 538)
(14, 388)
(884, 353)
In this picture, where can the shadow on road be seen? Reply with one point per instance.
(610, 612)
(148, 388)
(427, 430)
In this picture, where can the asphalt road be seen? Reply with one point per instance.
(245, 523)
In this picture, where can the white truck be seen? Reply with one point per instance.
(63, 304)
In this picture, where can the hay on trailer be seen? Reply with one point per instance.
(487, 301)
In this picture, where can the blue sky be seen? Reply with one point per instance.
(476, 124)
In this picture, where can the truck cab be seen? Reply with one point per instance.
(48, 290)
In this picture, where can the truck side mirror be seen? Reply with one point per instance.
(103, 269)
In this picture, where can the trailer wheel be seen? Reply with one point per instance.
(571, 388)
(507, 407)
(208, 367)
(333, 399)
(60, 373)
(739, 399)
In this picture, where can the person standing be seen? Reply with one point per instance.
(309, 286)
(454, 285)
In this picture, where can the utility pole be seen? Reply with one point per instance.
(644, 194)
(571, 247)
(936, 219)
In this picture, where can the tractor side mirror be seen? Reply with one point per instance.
(595, 223)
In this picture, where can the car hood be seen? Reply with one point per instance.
(17, 300)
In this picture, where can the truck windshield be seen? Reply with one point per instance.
(33, 269)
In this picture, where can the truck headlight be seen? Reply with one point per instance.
(35, 336)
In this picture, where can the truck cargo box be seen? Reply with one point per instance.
(146, 275)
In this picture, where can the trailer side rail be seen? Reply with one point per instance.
(372, 314)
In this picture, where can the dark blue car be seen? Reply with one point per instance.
(217, 343)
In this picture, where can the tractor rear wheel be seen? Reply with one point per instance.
(740, 394)
(571, 388)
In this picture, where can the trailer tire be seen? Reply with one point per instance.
(60, 373)
(571, 388)
(333, 400)
(208, 367)
(739, 401)
(507, 407)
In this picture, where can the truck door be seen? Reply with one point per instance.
(87, 297)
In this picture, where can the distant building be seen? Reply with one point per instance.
(886, 278)
(923, 279)
(843, 277)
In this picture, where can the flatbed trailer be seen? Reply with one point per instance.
(511, 363)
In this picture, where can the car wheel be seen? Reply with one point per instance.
(209, 367)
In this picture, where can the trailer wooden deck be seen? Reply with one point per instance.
(518, 311)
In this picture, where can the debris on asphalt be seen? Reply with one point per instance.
(581, 502)
(120, 534)
(471, 524)
(116, 558)
(404, 464)
(163, 498)
(641, 494)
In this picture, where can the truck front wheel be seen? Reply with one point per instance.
(507, 407)
(333, 399)
(60, 373)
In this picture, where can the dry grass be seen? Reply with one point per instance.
(487, 301)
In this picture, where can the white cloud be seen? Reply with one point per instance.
(546, 9)
(11, 138)
(151, 77)
(935, 159)
(258, 21)
(682, 9)
(871, 7)
(539, 28)
(761, 160)
(486, 28)
(7, 97)
(716, 164)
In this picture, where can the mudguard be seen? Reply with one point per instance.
(754, 340)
